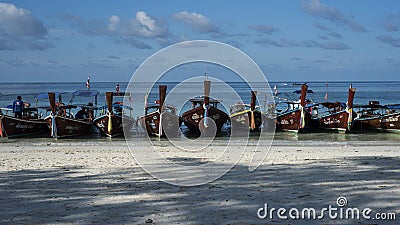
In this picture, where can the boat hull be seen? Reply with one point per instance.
(118, 124)
(337, 121)
(388, 123)
(151, 122)
(68, 127)
(193, 118)
(14, 127)
(243, 120)
(292, 121)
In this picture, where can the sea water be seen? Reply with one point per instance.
(384, 92)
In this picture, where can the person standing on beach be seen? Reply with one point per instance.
(18, 107)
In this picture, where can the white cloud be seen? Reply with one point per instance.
(114, 22)
(19, 29)
(18, 21)
(142, 26)
(146, 27)
(146, 21)
(128, 31)
(196, 21)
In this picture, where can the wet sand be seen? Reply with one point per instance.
(100, 183)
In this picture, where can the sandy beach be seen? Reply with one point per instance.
(100, 183)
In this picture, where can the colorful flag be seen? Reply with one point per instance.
(88, 83)
(117, 88)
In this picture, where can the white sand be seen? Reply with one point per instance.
(61, 182)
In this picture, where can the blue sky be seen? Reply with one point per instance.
(309, 40)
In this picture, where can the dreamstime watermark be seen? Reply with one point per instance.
(338, 211)
(221, 159)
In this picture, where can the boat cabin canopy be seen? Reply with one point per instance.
(122, 94)
(333, 104)
(360, 106)
(154, 107)
(308, 92)
(86, 93)
(200, 100)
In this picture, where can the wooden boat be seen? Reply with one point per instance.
(375, 117)
(296, 118)
(30, 124)
(112, 122)
(63, 125)
(197, 118)
(160, 114)
(340, 115)
(15, 127)
(246, 116)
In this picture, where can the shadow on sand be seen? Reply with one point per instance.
(129, 196)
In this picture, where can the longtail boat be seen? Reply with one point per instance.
(296, 118)
(376, 117)
(160, 119)
(14, 127)
(198, 118)
(340, 115)
(246, 116)
(112, 122)
(64, 124)
(30, 124)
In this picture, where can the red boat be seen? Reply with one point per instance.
(246, 116)
(30, 124)
(197, 118)
(112, 123)
(375, 117)
(168, 118)
(297, 118)
(63, 125)
(14, 127)
(340, 116)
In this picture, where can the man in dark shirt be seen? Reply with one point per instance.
(81, 114)
(18, 107)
